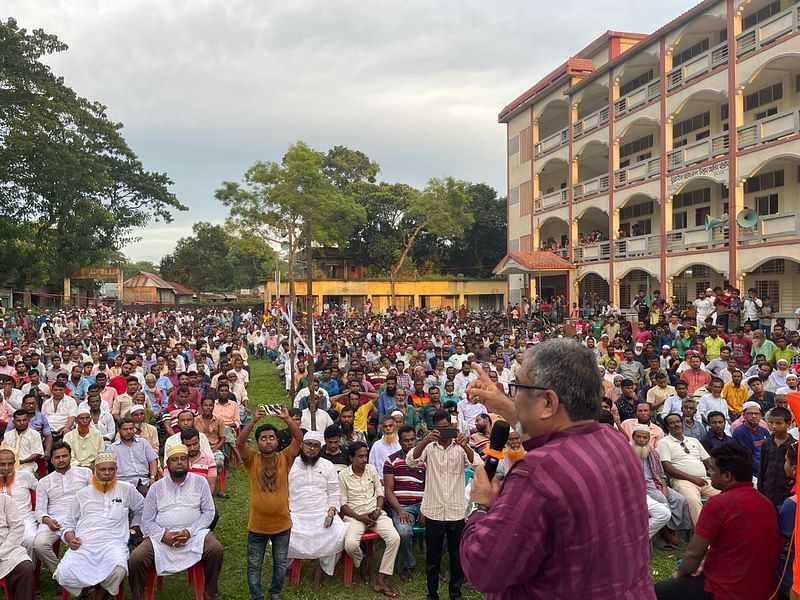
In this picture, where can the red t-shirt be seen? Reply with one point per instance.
(742, 527)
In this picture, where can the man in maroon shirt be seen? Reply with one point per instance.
(741, 346)
(736, 534)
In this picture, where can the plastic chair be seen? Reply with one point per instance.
(194, 573)
(468, 475)
(4, 587)
(221, 480)
(369, 537)
(419, 535)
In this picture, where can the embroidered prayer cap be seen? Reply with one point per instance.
(105, 457)
(177, 449)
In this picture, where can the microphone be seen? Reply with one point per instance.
(497, 442)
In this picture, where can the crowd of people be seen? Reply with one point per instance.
(122, 424)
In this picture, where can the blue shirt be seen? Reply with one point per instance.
(786, 525)
(751, 441)
(38, 423)
(711, 441)
(332, 386)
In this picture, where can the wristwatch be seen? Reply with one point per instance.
(480, 507)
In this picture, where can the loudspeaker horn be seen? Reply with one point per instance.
(747, 218)
(712, 222)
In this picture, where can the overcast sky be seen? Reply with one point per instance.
(205, 88)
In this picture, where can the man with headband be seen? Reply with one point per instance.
(314, 501)
(177, 514)
(96, 532)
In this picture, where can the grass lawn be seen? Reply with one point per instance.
(232, 533)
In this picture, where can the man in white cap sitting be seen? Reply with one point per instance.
(86, 442)
(314, 501)
(177, 514)
(96, 531)
(18, 486)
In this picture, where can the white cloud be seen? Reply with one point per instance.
(205, 88)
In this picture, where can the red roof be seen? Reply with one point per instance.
(536, 260)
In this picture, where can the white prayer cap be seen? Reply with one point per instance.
(750, 404)
(397, 413)
(640, 427)
(782, 391)
(83, 410)
(793, 376)
(314, 436)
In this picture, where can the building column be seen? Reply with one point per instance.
(532, 287)
(417, 301)
(67, 292)
(461, 300)
(614, 289)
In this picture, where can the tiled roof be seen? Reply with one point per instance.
(536, 260)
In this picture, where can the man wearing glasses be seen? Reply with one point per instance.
(686, 461)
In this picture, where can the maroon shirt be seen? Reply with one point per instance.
(570, 521)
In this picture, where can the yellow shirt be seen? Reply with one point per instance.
(269, 511)
(360, 418)
(85, 449)
(735, 397)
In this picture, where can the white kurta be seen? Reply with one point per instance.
(171, 507)
(11, 532)
(56, 491)
(312, 491)
(20, 492)
(25, 444)
(100, 521)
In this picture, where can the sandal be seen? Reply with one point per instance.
(386, 591)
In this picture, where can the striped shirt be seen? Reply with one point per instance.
(557, 514)
(409, 482)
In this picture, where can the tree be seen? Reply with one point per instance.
(72, 188)
(200, 261)
(250, 259)
(346, 167)
(292, 203)
(440, 210)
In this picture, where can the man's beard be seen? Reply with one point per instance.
(308, 460)
(481, 429)
(390, 438)
(514, 455)
(101, 486)
(642, 451)
(179, 474)
(347, 428)
(390, 392)
(6, 481)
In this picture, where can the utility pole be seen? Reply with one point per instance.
(309, 285)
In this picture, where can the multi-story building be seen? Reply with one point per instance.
(666, 161)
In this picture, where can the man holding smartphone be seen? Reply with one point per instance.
(446, 453)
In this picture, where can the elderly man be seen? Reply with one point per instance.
(657, 489)
(15, 564)
(385, 446)
(686, 461)
(177, 514)
(96, 531)
(144, 430)
(54, 495)
(570, 455)
(86, 442)
(19, 485)
(362, 507)
(314, 501)
(26, 443)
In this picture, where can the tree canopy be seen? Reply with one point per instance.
(72, 189)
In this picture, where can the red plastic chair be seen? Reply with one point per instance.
(221, 480)
(194, 573)
(369, 537)
(4, 587)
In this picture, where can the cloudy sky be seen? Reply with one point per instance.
(205, 87)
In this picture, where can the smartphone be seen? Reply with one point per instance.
(448, 433)
(328, 521)
(272, 409)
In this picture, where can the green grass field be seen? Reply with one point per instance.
(232, 533)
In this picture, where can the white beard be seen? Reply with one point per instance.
(641, 451)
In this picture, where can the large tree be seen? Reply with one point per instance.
(293, 203)
(71, 188)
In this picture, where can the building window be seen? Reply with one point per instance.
(771, 93)
(701, 196)
(636, 146)
(513, 245)
(513, 145)
(723, 112)
(772, 110)
(764, 181)
(769, 288)
(682, 128)
(767, 205)
(689, 53)
(637, 210)
(761, 15)
(636, 83)
(679, 220)
(513, 196)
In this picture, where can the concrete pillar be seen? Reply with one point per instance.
(615, 292)
(67, 292)
(461, 300)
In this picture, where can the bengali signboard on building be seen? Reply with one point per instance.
(718, 172)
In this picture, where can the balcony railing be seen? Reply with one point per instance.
(641, 245)
(638, 97)
(768, 31)
(699, 65)
(590, 187)
(771, 227)
(644, 169)
(696, 237)
(710, 147)
(592, 252)
(769, 128)
(551, 142)
(590, 122)
(557, 198)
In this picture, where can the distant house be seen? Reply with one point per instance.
(149, 288)
(183, 294)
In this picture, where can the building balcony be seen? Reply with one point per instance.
(592, 252)
(768, 31)
(769, 128)
(551, 142)
(638, 97)
(696, 237)
(591, 187)
(641, 245)
(551, 200)
(771, 227)
(707, 149)
(590, 122)
(640, 171)
(697, 66)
